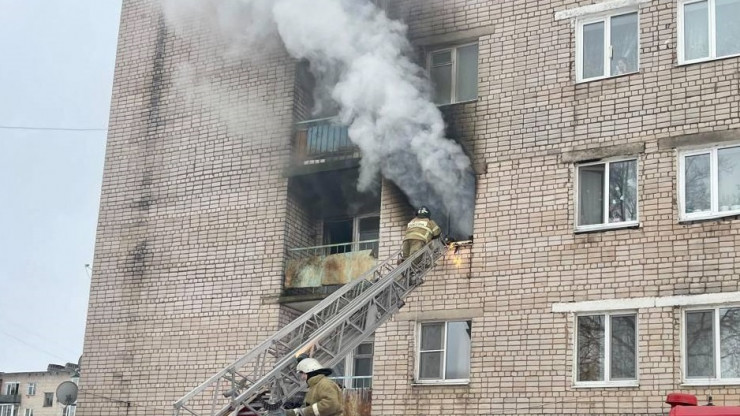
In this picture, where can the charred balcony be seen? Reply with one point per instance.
(332, 235)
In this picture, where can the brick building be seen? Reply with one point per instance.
(604, 270)
(33, 393)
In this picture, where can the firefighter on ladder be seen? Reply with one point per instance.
(324, 396)
(419, 232)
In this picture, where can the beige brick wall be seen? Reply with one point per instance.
(193, 216)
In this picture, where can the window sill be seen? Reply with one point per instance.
(475, 100)
(606, 384)
(710, 383)
(703, 60)
(587, 80)
(710, 217)
(607, 227)
(440, 383)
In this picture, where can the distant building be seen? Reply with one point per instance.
(33, 393)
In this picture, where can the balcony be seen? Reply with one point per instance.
(323, 144)
(10, 398)
(319, 270)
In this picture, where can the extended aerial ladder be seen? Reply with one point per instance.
(266, 377)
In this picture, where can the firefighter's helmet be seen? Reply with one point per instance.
(309, 365)
(423, 212)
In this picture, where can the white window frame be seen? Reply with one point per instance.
(5, 407)
(70, 410)
(606, 18)
(349, 368)
(607, 351)
(31, 389)
(712, 34)
(28, 412)
(704, 381)
(417, 360)
(714, 211)
(52, 399)
(453, 74)
(8, 387)
(605, 225)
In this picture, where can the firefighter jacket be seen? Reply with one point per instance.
(324, 398)
(423, 229)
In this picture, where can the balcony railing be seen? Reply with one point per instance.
(10, 398)
(327, 265)
(322, 138)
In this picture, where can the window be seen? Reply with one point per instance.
(48, 399)
(7, 410)
(454, 74)
(709, 182)
(444, 352)
(356, 370)
(606, 194)
(31, 391)
(28, 412)
(607, 46)
(708, 29)
(70, 410)
(606, 349)
(712, 344)
(11, 388)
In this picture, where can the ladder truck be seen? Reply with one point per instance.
(265, 378)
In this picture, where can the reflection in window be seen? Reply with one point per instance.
(710, 182)
(598, 334)
(705, 330)
(617, 180)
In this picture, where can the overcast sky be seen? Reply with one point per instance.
(56, 72)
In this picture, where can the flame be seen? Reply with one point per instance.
(453, 250)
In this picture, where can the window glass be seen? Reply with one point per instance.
(441, 76)
(623, 191)
(467, 73)
(591, 348)
(729, 345)
(697, 183)
(728, 29)
(458, 350)
(728, 176)
(696, 30)
(591, 194)
(593, 50)
(431, 336)
(624, 32)
(699, 344)
(48, 399)
(623, 348)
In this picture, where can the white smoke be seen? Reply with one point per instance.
(362, 57)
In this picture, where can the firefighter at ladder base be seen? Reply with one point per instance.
(419, 232)
(324, 397)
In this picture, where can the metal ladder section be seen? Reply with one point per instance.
(328, 332)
